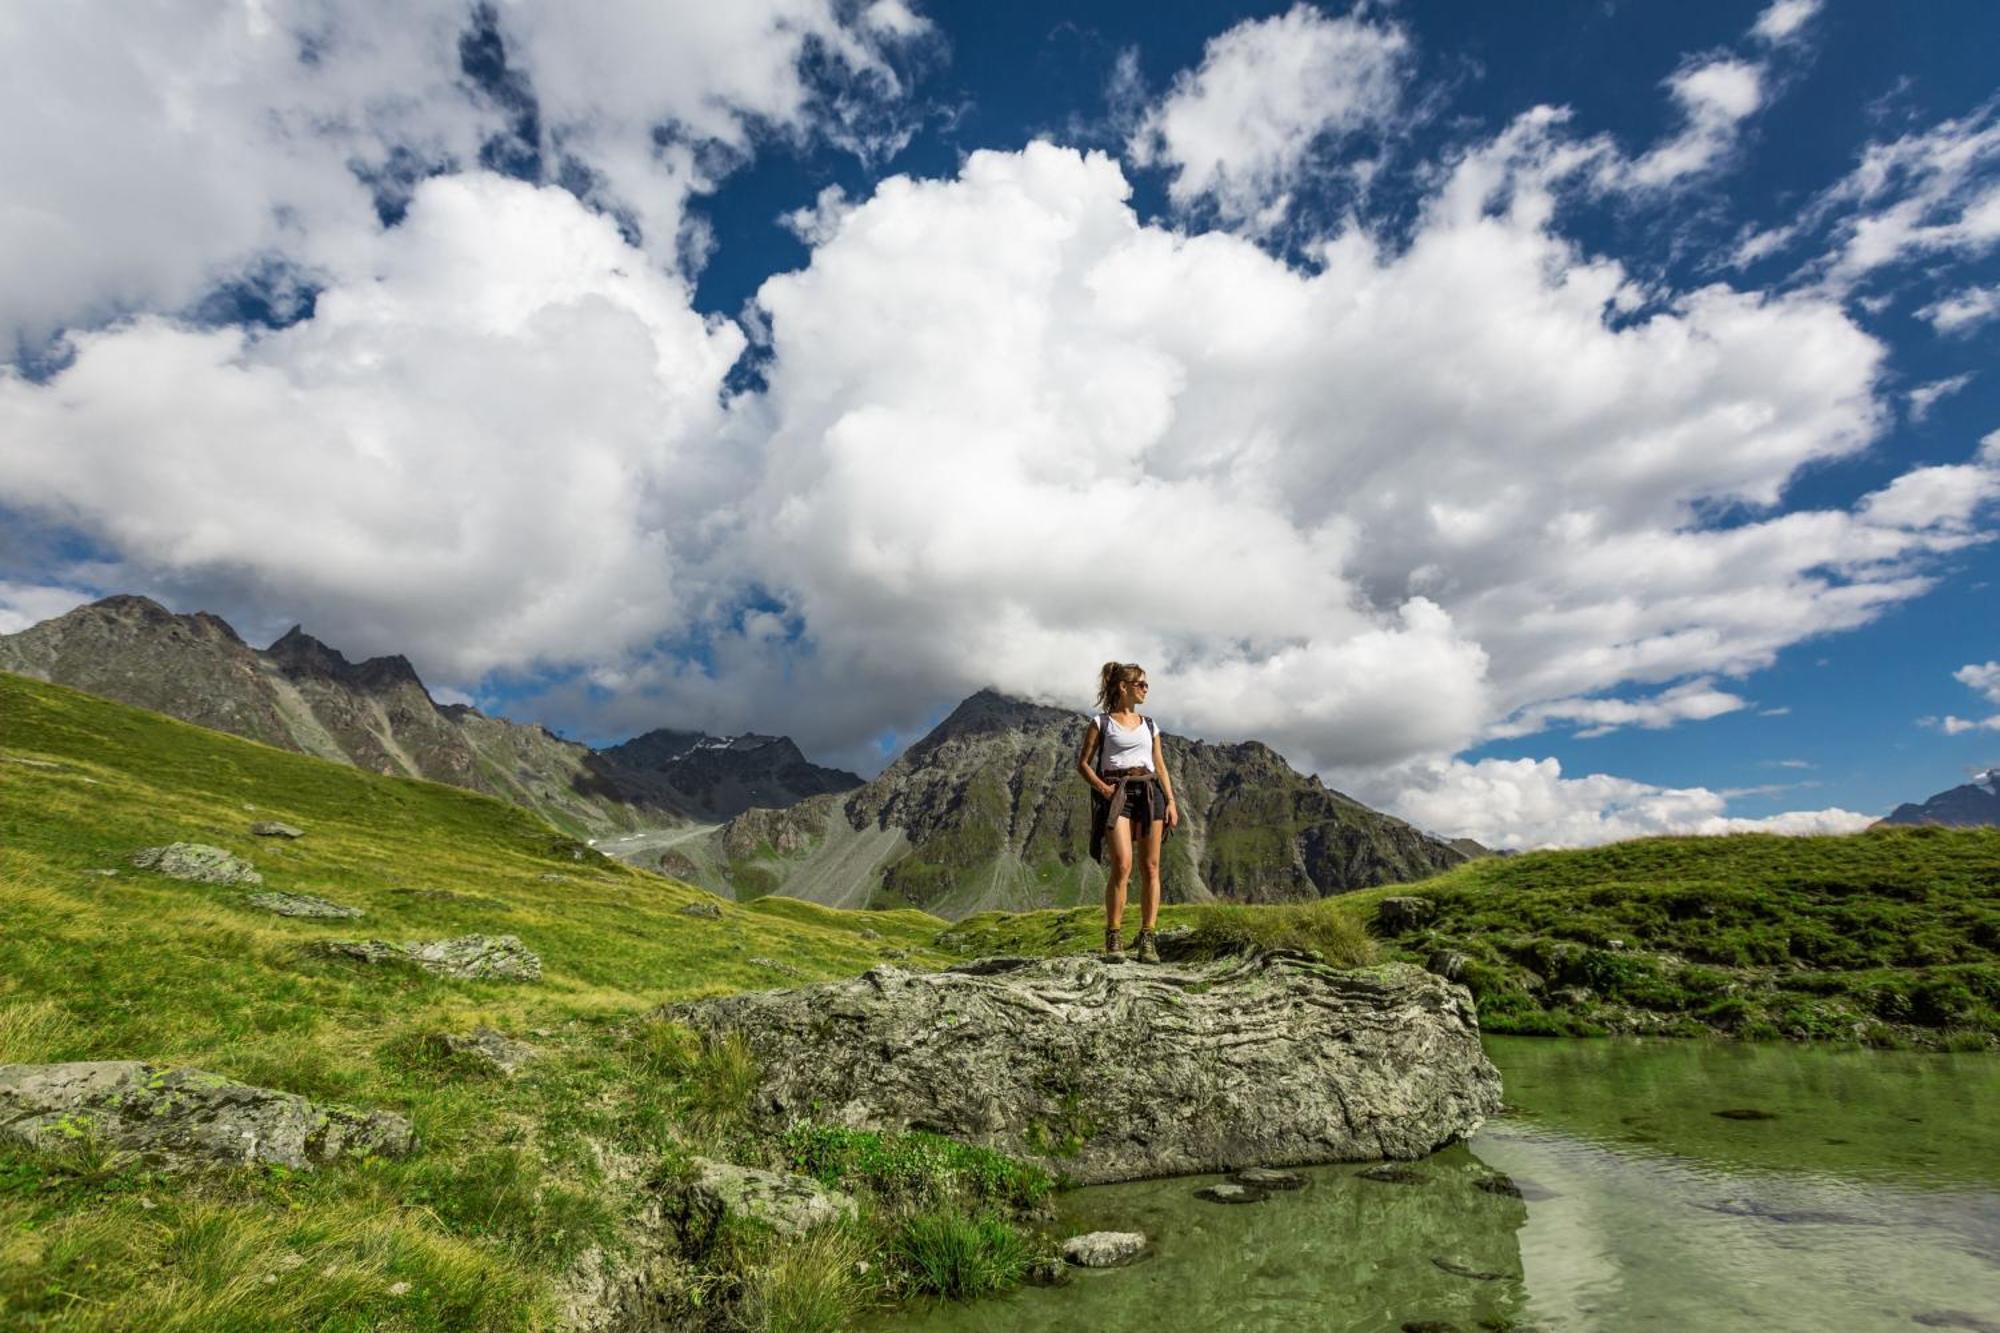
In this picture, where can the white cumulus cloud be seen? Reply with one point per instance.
(151, 153)
(1521, 804)
(488, 447)
(1239, 130)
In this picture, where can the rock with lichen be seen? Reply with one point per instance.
(197, 863)
(176, 1118)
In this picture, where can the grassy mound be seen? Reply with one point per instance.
(519, 1181)
(1891, 936)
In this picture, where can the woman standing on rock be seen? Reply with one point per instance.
(1132, 802)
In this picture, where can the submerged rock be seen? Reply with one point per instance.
(1127, 1073)
(185, 1117)
(1227, 1192)
(1459, 1268)
(716, 1193)
(1264, 1178)
(1104, 1249)
(198, 863)
(302, 904)
(1389, 1174)
(467, 958)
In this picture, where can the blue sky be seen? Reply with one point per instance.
(1550, 423)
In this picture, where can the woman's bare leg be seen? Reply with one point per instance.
(1149, 872)
(1120, 836)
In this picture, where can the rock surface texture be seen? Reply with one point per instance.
(719, 1192)
(184, 1117)
(1104, 1249)
(303, 904)
(1122, 1073)
(198, 863)
(468, 958)
(485, 1047)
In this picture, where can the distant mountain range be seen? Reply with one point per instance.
(985, 811)
(1976, 802)
(301, 695)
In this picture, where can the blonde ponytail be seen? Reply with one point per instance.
(1110, 677)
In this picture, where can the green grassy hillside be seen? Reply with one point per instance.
(1887, 936)
(515, 1180)
(1890, 936)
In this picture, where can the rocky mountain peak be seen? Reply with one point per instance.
(298, 653)
(1970, 804)
(991, 711)
(128, 613)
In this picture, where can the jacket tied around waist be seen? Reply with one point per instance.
(1105, 808)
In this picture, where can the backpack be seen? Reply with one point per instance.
(1103, 721)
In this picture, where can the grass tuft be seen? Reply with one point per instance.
(817, 1284)
(960, 1255)
(35, 1032)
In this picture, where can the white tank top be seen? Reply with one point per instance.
(1123, 747)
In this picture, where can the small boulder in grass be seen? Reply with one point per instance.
(302, 904)
(1396, 916)
(467, 958)
(271, 828)
(198, 863)
(701, 1205)
(1104, 1249)
(484, 1047)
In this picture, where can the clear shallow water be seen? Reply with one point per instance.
(1869, 1199)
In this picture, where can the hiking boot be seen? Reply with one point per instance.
(1149, 951)
(1114, 951)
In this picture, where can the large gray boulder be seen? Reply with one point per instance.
(1121, 1073)
(198, 863)
(185, 1117)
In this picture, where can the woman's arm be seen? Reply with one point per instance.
(1086, 762)
(1166, 783)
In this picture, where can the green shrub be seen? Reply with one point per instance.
(1730, 1012)
(946, 1252)
(1937, 1003)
